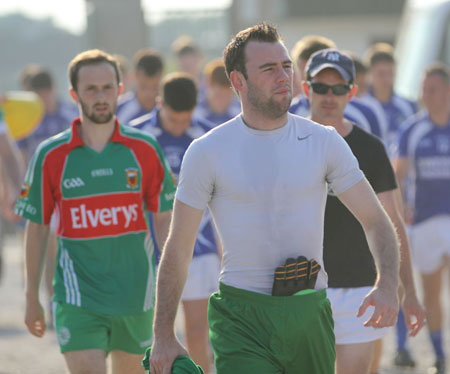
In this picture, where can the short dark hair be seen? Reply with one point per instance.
(179, 92)
(360, 66)
(379, 52)
(439, 69)
(90, 57)
(215, 73)
(309, 45)
(234, 53)
(149, 61)
(40, 76)
(185, 45)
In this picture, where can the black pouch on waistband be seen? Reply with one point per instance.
(294, 276)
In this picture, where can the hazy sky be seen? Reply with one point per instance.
(70, 14)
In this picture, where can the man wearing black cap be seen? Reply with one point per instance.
(347, 258)
(264, 176)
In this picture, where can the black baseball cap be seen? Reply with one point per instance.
(331, 58)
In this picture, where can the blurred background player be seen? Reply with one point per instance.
(380, 60)
(173, 125)
(11, 174)
(350, 266)
(424, 150)
(190, 60)
(219, 103)
(58, 113)
(125, 74)
(356, 111)
(148, 70)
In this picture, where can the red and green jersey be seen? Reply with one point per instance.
(105, 255)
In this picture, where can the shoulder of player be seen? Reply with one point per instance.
(125, 98)
(199, 126)
(306, 127)
(417, 121)
(53, 145)
(143, 121)
(138, 136)
(368, 139)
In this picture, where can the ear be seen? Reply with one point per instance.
(353, 91)
(74, 95)
(305, 88)
(237, 80)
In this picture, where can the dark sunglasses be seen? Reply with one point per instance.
(337, 89)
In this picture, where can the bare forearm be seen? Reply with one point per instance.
(406, 273)
(383, 244)
(171, 278)
(35, 247)
(162, 224)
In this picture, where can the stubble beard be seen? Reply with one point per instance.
(98, 119)
(269, 108)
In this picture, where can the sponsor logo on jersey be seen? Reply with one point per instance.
(73, 182)
(83, 217)
(24, 191)
(102, 215)
(102, 172)
(132, 177)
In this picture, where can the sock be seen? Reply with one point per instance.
(402, 332)
(436, 340)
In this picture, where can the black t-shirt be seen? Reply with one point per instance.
(347, 258)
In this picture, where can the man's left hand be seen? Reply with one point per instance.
(385, 302)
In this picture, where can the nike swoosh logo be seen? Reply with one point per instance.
(304, 137)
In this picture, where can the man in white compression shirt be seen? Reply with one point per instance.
(264, 176)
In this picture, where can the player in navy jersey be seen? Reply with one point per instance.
(148, 68)
(380, 59)
(219, 103)
(424, 150)
(190, 60)
(174, 126)
(356, 111)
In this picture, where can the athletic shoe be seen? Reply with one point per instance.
(403, 358)
(438, 368)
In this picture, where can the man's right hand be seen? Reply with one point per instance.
(163, 354)
(34, 318)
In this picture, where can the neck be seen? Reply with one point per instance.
(259, 121)
(342, 126)
(96, 136)
(146, 106)
(440, 117)
(172, 130)
(382, 94)
(51, 106)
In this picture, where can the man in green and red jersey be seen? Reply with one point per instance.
(99, 176)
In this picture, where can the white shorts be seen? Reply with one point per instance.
(54, 220)
(203, 277)
(348, 328)
(430, 242)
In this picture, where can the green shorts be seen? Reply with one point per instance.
(256, 333)
(78, 329)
